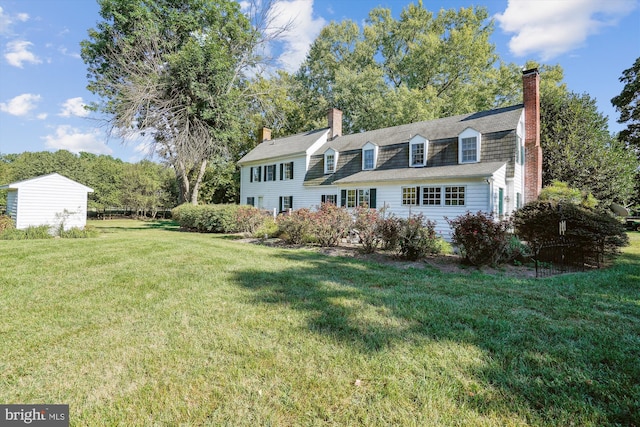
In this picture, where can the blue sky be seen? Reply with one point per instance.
(43, 79)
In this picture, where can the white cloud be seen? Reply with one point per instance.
(17, 53)
(74, 107)
(551, 28)
(305, 28)
(6, 21)
(21, 105)
(71, 139)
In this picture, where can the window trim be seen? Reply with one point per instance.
(334, 153)
(427, 197)
(369, 146)
(467, 134)
(284, 167)
(415, 141)
(448, 195)
(359, 197)
(416, 196)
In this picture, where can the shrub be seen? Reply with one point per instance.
(294, 227)
(481, 239)
(6, 223)
(367, 225)
(329, 224)
(268, 228)
(417, 237)
(389, 232)
(248, 218)
(516, 251)
(80, 233)
(206, 218)
(538, 223)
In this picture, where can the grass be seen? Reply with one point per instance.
(147, 325)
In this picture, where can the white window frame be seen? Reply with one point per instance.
(406, 195)
(464, 137)
(352, 198)
(327, 155)
(418, 140)
(455, 197)
(431, 193)
(373, 148)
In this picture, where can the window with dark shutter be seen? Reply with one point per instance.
(372, 198)
(343, 198)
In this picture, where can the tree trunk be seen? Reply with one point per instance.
(196, 184)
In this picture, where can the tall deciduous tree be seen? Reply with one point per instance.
(418, 67)
(175, 71)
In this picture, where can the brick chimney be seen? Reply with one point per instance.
(334, 118)
(264, 134)
(533, 151)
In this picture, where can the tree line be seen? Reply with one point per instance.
(143, 188)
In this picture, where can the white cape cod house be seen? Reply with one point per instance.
(488, 161)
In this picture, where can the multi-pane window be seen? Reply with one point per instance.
(329, 198)
(251, 201)
(409, 196)
(329, 163)
(432, 196)
(417, 154)
(469, 150)
(519, 150)
(270, 173)
(352, 198)
(286, 170)
(368, 159)
(255, 174)
(363, 197)
(454, 196)
(286, 203)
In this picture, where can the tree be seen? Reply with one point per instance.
(176, 71)
(628, 105)
(579, 150)
(418, 67)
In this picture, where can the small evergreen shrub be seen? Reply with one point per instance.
(367, 225)
(295, 227)
(6, 223)
(481, 239)
(417, 237)
(329, 224)
(516, 251)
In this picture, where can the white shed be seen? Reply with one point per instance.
(47, 200)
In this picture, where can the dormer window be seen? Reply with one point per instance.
(469, 146)
(418, 151)
(330, 160)
(369, 156)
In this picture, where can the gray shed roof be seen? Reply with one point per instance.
(484, 122)
(282, 147)
(471, 170)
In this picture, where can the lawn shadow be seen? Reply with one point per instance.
(544, 344)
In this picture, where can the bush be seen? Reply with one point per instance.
(295, 227)
(389, 232)
(417, 237)
(480, 238)
(268, 228)
(367, 225)
(6, 223)
(206, 218)
(248, 218)
(516, 251)
(538, 223)
(330, 224)
(80, 233)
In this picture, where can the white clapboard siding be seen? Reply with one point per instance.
(48, 200)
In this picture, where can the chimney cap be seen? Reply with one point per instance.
(530, 71)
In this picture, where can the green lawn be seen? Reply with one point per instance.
(147, 325)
